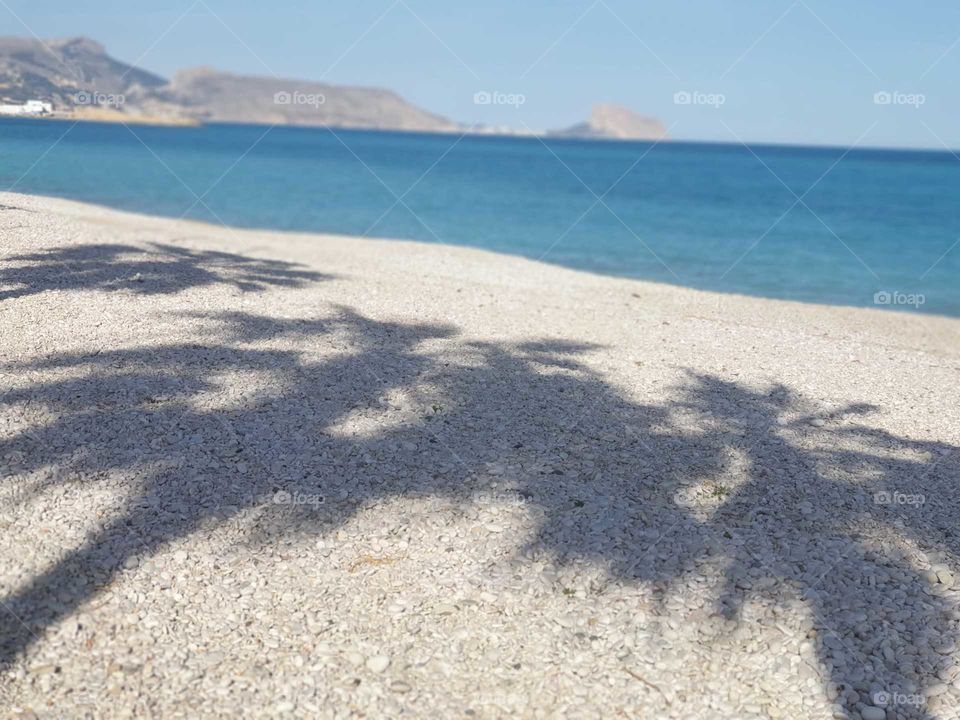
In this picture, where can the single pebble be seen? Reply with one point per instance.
(355, 658)
(378, 663)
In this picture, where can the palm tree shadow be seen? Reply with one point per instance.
(811, 515)
(649, 492)
(154, 269)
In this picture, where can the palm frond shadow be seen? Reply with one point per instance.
(794, 520)
(151, 269)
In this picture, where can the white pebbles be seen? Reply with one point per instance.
(268, 475)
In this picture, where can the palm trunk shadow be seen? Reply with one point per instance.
(620, 511)
(73, 580)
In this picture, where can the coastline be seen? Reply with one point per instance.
(83, 209)
(503, 485)
(106, 115)
(934, 150)
(370, 259)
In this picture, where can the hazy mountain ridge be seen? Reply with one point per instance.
(614, 122)
(206, 94)
(56, 70)
(76, 74)
(79, 78)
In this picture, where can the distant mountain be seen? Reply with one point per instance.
(614, 122)
(205, 94)
(56, 70)
(79, 78)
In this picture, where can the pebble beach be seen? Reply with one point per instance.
(264, 474)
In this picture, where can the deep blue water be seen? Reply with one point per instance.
(712, 216)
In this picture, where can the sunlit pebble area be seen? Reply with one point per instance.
(383, 479)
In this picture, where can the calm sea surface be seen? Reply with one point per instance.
(860, 227)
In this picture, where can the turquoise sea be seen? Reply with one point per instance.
(877, 228)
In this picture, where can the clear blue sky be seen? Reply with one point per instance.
(802, 72)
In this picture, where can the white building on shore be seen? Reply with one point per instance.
(30, 107)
